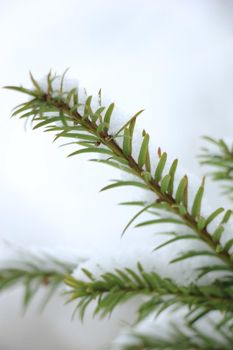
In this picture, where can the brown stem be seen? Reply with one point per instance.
(108, 141)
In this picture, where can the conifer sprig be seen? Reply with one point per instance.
(65, 114)
(35, 272)
(114, 288)
(32, 281)
(219, 158)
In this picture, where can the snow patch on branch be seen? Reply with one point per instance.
(183, 272)
(162, 327)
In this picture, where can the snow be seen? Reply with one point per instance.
(162, 326)
(121, 257)
(118, 116)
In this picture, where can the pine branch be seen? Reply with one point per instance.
(220, 159)
(62, 112)
(32, 281)
(34, 271)
(114, 288)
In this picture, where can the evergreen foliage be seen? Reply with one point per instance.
(219, 156)
(87, 127)
(33, 272)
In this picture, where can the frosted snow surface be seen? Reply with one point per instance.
(163, 327)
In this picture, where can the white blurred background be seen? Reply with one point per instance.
(173, 58)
